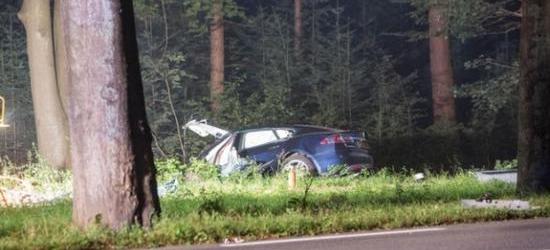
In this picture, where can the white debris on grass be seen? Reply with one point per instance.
(22, 193)
(234, 240)
(509, 176)
(168, 187)
(419, 177)
(498, 204)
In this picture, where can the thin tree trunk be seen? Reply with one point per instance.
(61, 71)
(534, 98)
(51, 125)
(113, 169)
(165, 21)
(15, 61)
(314, 33)
(297, 24)
(167, 84)
(348, 79)
(175, 115)
(441, 69)
(216, 55)
(2, 111)
(285, 43)
(263, 42)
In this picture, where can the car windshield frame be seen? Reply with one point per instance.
(242, 136)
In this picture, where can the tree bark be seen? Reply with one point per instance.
(534, 101)
(113, 169)
(61, 70)
(441, 69)
(61, 73)
(216, 55)
(51, 125)
(297, 24)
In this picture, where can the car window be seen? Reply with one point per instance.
(283, 133)
(256, 138)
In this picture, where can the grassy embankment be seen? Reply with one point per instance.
(209, 211)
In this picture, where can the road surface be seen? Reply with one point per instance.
(522, 235)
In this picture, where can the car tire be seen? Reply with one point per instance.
(304, 166)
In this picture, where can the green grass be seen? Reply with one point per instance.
(210, 211)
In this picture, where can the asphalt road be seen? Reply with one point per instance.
(522, 235)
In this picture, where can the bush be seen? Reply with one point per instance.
(442, 149)
(202, 169)
(168, 169)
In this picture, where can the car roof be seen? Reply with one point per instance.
(298, 128)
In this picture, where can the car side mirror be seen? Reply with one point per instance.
(2, 113)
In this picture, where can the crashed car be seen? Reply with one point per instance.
(307, 148)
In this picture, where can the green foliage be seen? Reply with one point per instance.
(210, 203)
(301, 202)
(233, 111)
(506, 165)
(201, 169)
(468, 18)
(494, 98)
(340, 76)
(338, 170)
(250, 172)
(200, 12)
(392, 108)
(37, 174)
(170, 79)
(168, 169)
(261, 209)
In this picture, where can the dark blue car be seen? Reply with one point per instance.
(308, 148)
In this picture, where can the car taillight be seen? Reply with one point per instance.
(332, 139)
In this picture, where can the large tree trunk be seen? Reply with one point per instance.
(113, 169)
(297, 24)
(216, 55)
(440, 62)
(534, 101)
(51, 125)
(61, 70)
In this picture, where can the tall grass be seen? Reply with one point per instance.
(251, 207)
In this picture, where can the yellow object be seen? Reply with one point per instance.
(292, 178)
(2, 112)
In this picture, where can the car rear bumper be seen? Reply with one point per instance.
(356, 160)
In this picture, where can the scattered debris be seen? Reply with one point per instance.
(22, 193)
(234, 240)
(509, 176)
(168, 187)
(499, 204)
(203, 129)
(419, 177)
(487, 197)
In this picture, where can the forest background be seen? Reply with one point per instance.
(361, 65)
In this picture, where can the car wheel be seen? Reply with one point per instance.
(301, 163)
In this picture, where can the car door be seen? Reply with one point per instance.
(262, 146)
